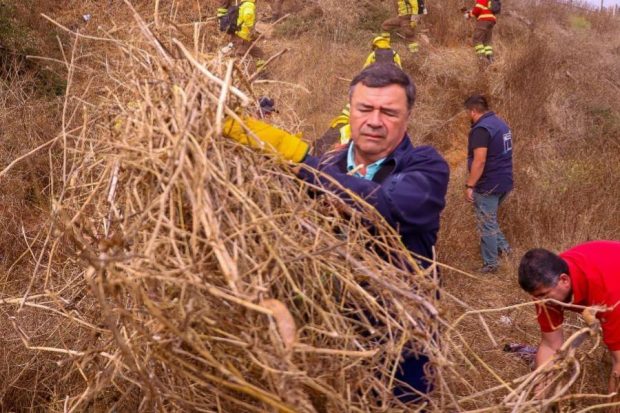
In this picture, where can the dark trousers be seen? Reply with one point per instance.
(483, 34)
(402, 25)
(411, 371)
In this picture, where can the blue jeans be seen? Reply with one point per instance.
(491, 238)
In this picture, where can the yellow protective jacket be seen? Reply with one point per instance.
(408, 7)
(383, 55)
(342, 118)
(246, 20)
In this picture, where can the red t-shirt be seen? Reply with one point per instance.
(594, 270)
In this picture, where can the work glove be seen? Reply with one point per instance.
(270, 139)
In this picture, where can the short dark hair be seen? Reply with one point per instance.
(385, 74)
(540, 267)
(478, 103)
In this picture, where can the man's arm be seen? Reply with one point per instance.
(477, 167)
(549, 344)
(413, 197)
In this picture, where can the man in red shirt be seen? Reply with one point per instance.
(585, 275)
(483, 33)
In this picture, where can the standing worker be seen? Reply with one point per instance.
(406, 22)
(483, 32)
(585, 275)
(407, 185)
(489, 162)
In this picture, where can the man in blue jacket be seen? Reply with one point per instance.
(406, 184)
(489, 162)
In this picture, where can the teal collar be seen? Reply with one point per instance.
(371, 169)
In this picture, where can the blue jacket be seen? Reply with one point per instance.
(409, 190)
(496, 177)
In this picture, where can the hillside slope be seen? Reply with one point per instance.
(556, 80)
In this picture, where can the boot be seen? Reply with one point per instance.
(413, 47)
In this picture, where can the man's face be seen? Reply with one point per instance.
(561, 291)
(378, 120)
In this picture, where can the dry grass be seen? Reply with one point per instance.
(177, 261)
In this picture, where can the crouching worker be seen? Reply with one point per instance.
(407, 185)
(238, 21)
(338, 133)
(585, 275)
(382, 51)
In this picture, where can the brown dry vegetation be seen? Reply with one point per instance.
(135, 330)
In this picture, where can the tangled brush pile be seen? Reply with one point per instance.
(218, 280)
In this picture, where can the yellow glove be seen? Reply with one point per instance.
(272, 139)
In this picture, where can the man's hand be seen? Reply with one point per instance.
(266, 137)
(549, 344)
(477, 167)
(469, 194)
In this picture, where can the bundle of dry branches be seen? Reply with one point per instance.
(222, 282)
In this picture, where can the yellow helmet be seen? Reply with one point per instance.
(381, 42)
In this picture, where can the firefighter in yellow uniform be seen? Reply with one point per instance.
(382, 51)
(245, 23)
(243, 35)
(339, 132)
(406, 22)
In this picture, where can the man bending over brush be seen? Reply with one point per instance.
(585, 275)
(406, 184)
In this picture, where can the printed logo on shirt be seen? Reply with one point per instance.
(507, 137)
